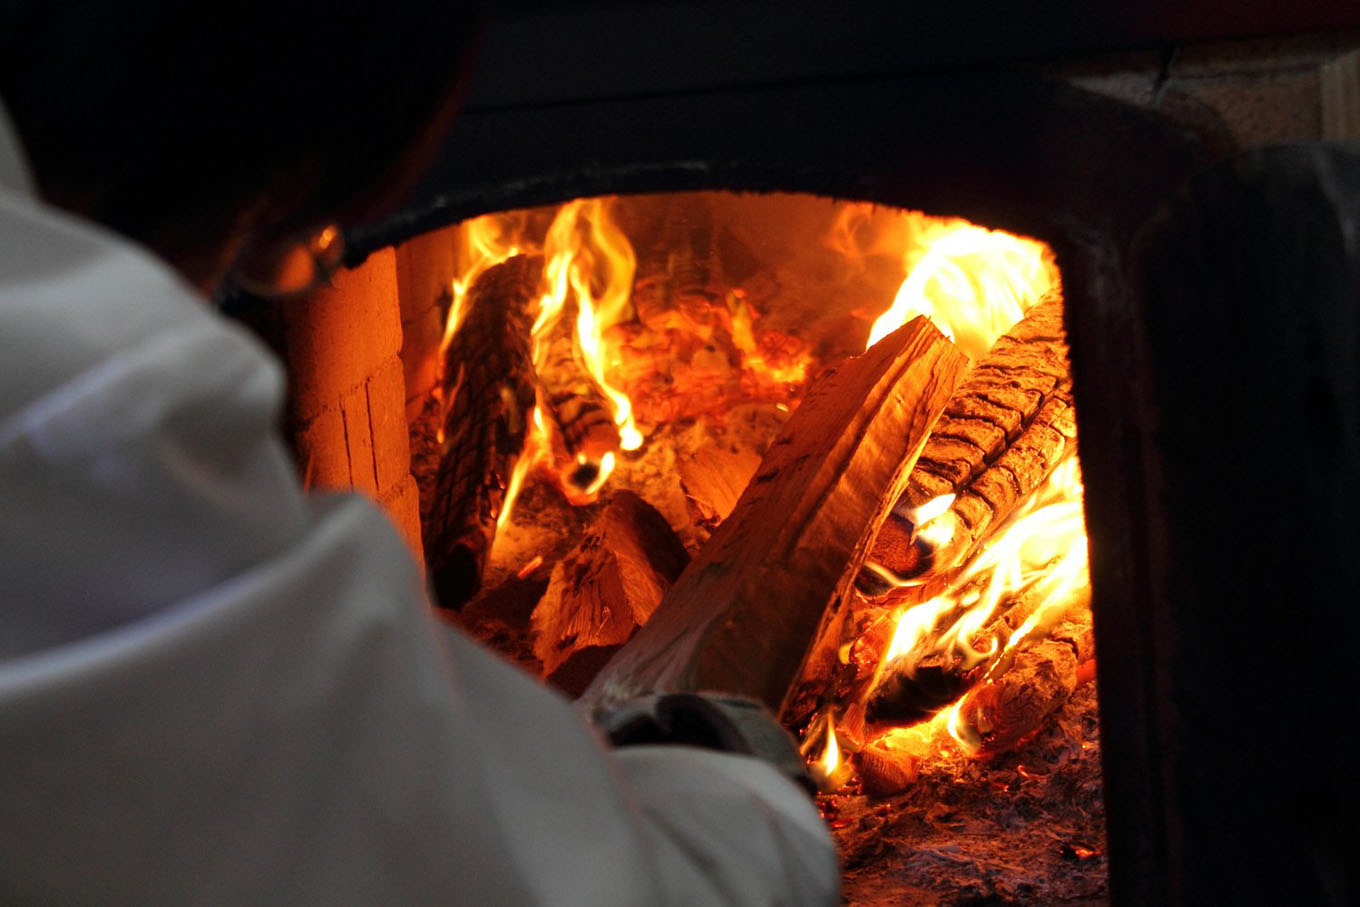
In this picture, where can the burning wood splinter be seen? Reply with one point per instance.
(488, 387)
(577, 408)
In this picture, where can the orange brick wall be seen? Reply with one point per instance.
(341, 345)
(425, 267)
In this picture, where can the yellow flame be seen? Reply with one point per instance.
(535, 452)
(590, 258)
(915, 625)
(479, 244)
(828, 767)
(972, 283)
(966, 737)
(831, 755)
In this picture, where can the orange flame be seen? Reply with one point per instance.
(479, 244)
(588, 262)
(588, 257)
(972, 283)
(828, 767)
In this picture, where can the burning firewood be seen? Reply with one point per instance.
(609, 584)
(999, 438)
(576, 406)
(488, 391)
(744, 614)
(916, 685)
(1013, 705)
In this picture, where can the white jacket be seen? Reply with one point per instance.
(215, 689)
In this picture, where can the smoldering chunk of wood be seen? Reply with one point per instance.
(891, 763)
(609, 584)
(488, 388)
(745, 613)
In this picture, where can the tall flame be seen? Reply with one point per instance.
(971, 282)
(589, 257)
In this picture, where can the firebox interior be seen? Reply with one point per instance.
(607, 379)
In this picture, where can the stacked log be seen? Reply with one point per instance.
(916, 685)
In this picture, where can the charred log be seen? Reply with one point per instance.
(575, 405)
(745, 613)
(999, 438)
(488, 392)
(913, 689)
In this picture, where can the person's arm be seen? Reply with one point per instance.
(218, 690)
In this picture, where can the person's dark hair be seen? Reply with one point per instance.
(178, 124)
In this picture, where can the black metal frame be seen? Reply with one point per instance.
(1004, 148)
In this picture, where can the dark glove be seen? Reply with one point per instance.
(716, 721)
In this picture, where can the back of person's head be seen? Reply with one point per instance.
(181, 124)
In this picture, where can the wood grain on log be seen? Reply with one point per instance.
(999, 438)
(609, 584)
(488, 388)
(744, 614)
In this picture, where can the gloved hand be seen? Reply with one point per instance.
(719, 721)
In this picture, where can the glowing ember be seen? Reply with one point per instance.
(527, 570)
(828, 767)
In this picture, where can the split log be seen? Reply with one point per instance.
(713, 480)
(1012, 706)
(488, 388)
(999, 438)
(744, 614)
(609, 584)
